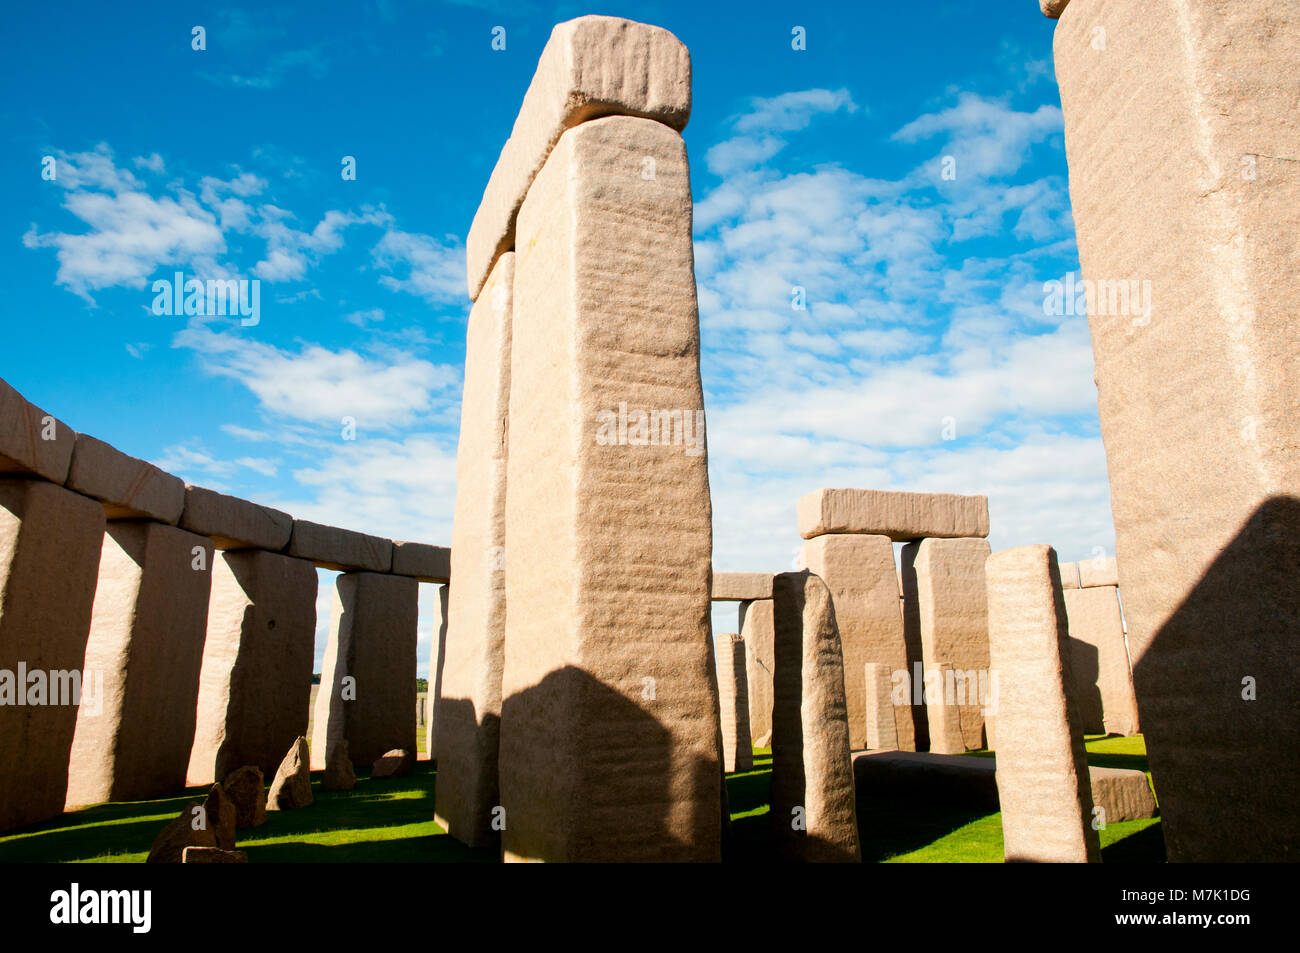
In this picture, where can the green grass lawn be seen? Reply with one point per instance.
(392, 821)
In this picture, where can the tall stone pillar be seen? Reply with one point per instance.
(756, 634)
(952, 608)
(814, 804)
(367, 686)
(1103, 682)
(1181, 136)
(469, 709)
(50, 541)
(258, 656)
(146, 638)
(1042, 768)
(437, 652)
(733, 701)
(609, 742)
(859, 570)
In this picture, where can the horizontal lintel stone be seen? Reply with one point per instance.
(127, 487)
(741, 586)
(1098, 572)
(32, 442)
(339, 549)
(591, 67)
(899, 515)
(423, 561)
(232, 523)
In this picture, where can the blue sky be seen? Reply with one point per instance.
(922, 360)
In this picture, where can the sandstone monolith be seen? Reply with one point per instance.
(814, 808)
(741, 586)
(609, 744)
(469, 709)
(127, 488)
(339, 774)
(32, 442)
(367, 681)
(1103, 681)
(291, 786)
(1197, 364)
(1042, 768)
(883, 716)
(952, 609)
(860, 573)
(50, 541)
(247, 792)
(255, 681)
(733, 701)
(146, 638)
(755, 626)
(899, 515)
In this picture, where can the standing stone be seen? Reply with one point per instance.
(952, 607)
(222, 816)
(733, 701)
(1042, 768)
(255, 683)
(909, 590)
(437, 652)
(1103, 681)
(609, 734)
(368, 687)
(859, 571)
(192, 828)
(146, 637)
(248, 793)
(756, 634)
(474, 658)
(1194, 104)
(50, 541)
(396, 763)
(882, 713)
(339, 774)
(291, 786)
(814, 807)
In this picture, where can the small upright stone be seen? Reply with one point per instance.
(292, 785)
(222, 817)
(1042, 768)
(733, 701)
(756, 634)
(246, 790)
(814, 806)
(339, 775)
(394, 764)
(207, 824)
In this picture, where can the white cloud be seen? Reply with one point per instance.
(434, 270)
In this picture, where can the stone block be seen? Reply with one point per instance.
(741, 586)
(1103, 681)
(341, 550)
(592, 66)
(32, 442)
(426, 563)
(898, 515)
(232, 523)
(128, 488)
(1098, 572)
(882, 716)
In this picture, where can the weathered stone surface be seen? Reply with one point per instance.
(247, 792)
(255, 682)
(592, 66)
(882, 715)
(1098, 572)
(860, 572)
(192, 828)
(910, 604)
(50, 540)
(1042, 772)
(213, 855)
(222, 817)
(474, 654)
(1122, 794)
(128, 488)
(609, 743)
(1197, 392)
(741, 586)
(146, 640)
(1069, 575)
(291, 786)
(898, 515)
(393, 764)
(367, 684)
(342, 550)
(424, 562)
(1053, 8)
(733, 702)
(339, 774)
(32, 441)
(437, 652)
(812, 767)
(1103, 681)
(756, 633)
(952, 606)
(232, 523)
